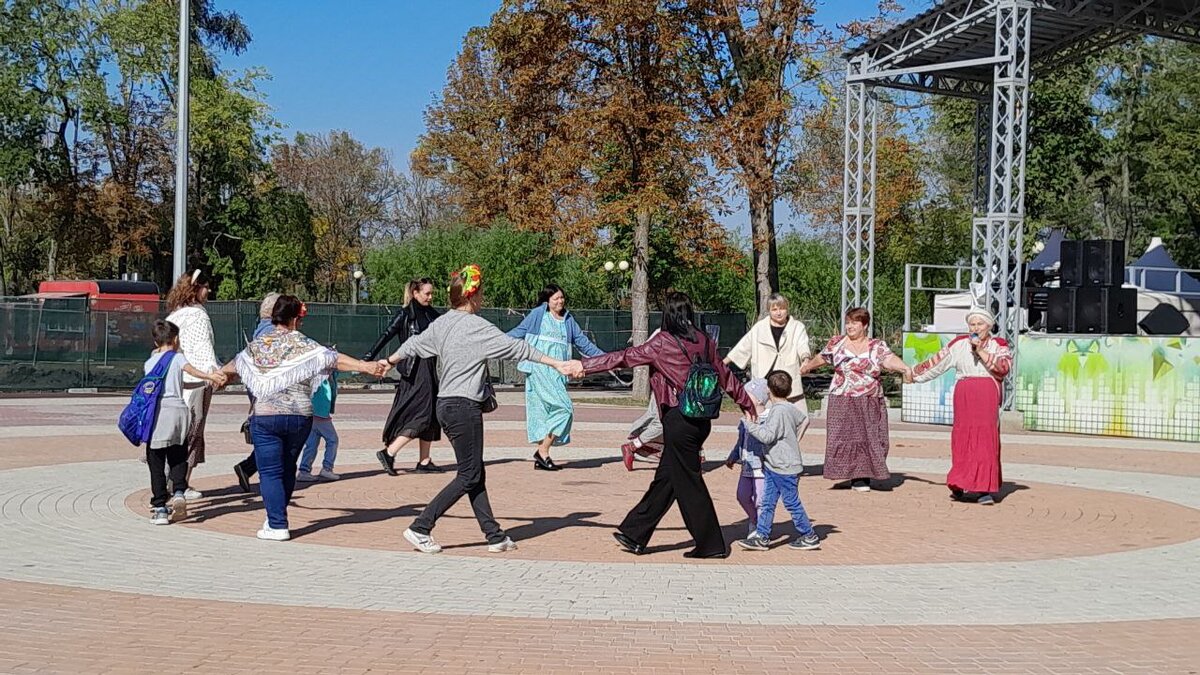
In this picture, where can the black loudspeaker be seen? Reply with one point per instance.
(1060, 310)
(1095, 262)
(1070, 256)
(1111, 311)
(1089, 310)
(1092, 310)
(1164, 320)
(1103, 262)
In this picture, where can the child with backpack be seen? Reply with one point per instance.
(167, 443)
(780, 429)
(749, 451)
(323, 403)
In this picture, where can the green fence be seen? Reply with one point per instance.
(58, 344)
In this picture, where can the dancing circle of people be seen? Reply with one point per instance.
(442, 385)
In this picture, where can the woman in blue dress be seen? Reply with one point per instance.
(550, 329)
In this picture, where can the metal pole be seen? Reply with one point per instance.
(181, 145)
(908, 297)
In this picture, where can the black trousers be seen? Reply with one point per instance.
(462, 419)
(159, 459)
(678, 479)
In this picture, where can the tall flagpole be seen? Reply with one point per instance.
(181, 145)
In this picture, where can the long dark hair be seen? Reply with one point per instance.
(547, 291)
(678, 318)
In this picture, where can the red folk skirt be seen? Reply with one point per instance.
(975, 437)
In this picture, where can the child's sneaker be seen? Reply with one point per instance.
(328, 474)
(192, 493)
(809, 542)
(160, 515)
(507, 545)
(422, 542)
(305, 477)
(755, 542)
(178, 507)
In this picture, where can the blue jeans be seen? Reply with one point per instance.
(776, 486)
(322, 427)
(278, 440)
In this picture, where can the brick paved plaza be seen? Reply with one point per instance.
(1091, 563)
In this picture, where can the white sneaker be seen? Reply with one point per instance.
(160, 516)
(329, 475)
(507, 545)
(271, 534)
(423, 542)
(192, 494)
(306, 477)
(178, 507)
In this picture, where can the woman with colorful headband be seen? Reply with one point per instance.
(980, 362)
(462, 342)
(550, 328)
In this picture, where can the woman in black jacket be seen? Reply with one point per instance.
(412, 414)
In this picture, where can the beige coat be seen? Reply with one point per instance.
(757, 350)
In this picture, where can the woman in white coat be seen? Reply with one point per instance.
(777, 342)
(185, 302)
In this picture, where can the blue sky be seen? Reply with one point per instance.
(371, 67)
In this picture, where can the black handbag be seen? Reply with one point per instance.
(489, 402)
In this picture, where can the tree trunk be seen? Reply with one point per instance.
(639, 297)
(766, 261)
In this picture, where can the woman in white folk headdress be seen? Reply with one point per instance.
(980, 362)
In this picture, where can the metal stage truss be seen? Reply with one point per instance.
(985, 50)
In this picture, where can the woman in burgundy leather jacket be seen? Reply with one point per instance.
(678, 477)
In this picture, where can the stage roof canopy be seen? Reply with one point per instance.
(950, 49)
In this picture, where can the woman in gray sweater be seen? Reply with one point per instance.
(463, 342)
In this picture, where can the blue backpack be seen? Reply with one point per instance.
(137, 419)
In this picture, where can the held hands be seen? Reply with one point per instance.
(729, 463)
(908, 376)
(218, 379)
(375, 369)
(573, 369)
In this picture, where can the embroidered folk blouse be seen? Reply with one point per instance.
(995, 362)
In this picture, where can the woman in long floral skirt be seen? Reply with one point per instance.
(856, 440)
(980, 361)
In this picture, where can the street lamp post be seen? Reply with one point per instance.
(357, 276)
(614, 270)
(179, 256)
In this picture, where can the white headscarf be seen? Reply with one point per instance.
(984, 314)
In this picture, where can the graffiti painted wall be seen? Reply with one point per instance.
(927, 402)
(1145, 387)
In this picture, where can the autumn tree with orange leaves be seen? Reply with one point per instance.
(758, 70)
(587, 130)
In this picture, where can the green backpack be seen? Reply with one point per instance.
(700, 397)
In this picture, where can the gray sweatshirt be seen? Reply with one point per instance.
(779, 429)
(463, 343)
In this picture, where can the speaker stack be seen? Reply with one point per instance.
(1090, 298)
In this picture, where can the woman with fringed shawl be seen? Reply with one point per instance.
(282, 368)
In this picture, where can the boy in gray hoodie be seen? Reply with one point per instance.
(779, 429)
